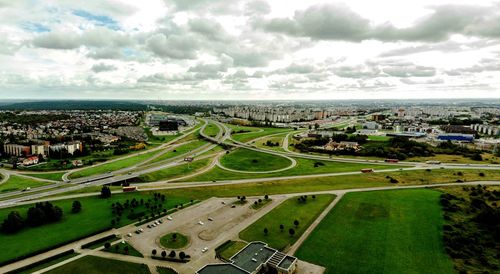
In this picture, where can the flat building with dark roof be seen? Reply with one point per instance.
(254, 258)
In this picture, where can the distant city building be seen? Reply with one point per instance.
(456, 137)
(16, 150)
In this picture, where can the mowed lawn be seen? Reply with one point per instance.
(55, 176)
(180, 150)
(250, 160)
(15, 183)
(211, 130)
(95, 216)
(254, 132)
(303, 167)
(97, 265)
(394, 231)
(286, 213)
(176, 171)
(113, 166)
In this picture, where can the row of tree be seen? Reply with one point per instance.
(37, 215)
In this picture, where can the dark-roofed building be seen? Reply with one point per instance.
(254, 258)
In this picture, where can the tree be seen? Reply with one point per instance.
(76, 207)
(282, 227)
(107, 245)
(164, 253)
(13, 223)
(36, 216)
(105, 192)
(296, 223)
(117, 248)
(266, 197)
(153, 252)
(291, 231)
(265, 230)
(314, 197)
(172, 254)
(125, 249)
(174, 237)
(182, 255)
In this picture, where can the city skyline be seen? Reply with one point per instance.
(249, 50)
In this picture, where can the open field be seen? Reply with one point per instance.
(95, 265)
(168, 241)
(254, 132)
(286, 213)
(303, 167)
(56, 176)
(95, 216)
(396, 231)
(488, 158)
(113, 166)
(362, 180)
(275, 139)
(211, 130)
(176, 171)
(180, 150)
(15, 183)
(250, 160)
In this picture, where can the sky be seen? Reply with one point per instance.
(249, 49)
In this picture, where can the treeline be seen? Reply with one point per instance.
(31, 119)
(456, 121)
(75, 105)
(396, 148)
(40, 214)
(188, 109)
(471, 235)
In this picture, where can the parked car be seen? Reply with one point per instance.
(210, 219)
(169, 218)
(200, 223)
(205, 249)
(129, 234)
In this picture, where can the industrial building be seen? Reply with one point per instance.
(254, 258)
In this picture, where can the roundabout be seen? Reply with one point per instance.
(174, 240)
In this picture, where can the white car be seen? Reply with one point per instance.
(201, 223)
(169, 218)
(129, 234)
(205, 249)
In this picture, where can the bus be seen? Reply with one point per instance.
(391, 160)
(129, 188)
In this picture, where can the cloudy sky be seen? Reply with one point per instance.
(249, 49)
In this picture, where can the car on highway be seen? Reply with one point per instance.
(27, 189)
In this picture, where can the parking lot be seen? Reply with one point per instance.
(227, 221)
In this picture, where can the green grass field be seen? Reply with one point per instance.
(396, 231)
(303, 167)
(95, 216)
(211, 130)
(180, 150)
(167, 241)
(249, 160)
(176, 171)
(285, 214)
(15, 183)
(255, 132)
(113, 166)
(98, 265)
(56, 176)
(275, 139)
(232, 249)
